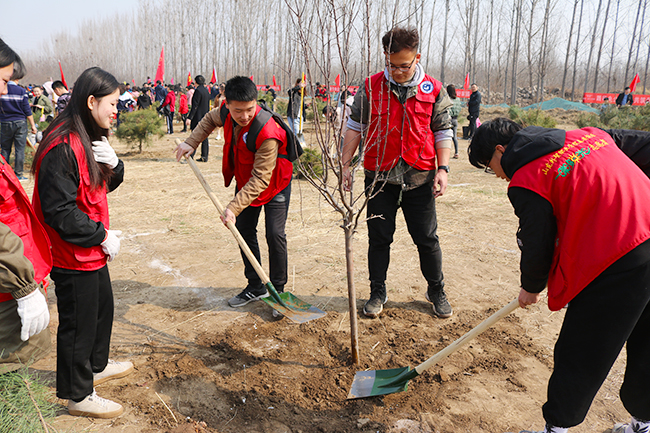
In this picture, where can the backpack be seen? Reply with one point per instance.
(294, 149)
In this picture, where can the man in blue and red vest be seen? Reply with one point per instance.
(262, 176)
(404, 115)
(584, 228)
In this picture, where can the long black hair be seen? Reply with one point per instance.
(77, 119)
(7, 55)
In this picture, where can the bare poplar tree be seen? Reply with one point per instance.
(632, 40)
(568, 50)
(575, 57)
(600, 48)
(611, 58)
(593, 44)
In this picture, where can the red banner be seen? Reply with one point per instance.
(263, 87)
(463, 93)
(599, 98)
(160, 72)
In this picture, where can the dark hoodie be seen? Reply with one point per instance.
(537, 224)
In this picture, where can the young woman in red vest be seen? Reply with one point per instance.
(584, 229)
(25, 261)
(74, 168)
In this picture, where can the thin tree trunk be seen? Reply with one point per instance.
(591, 47)
(600, 48)
(489, 59)
(611, 57)
(443, 60)
(568, 51)
(515, 52)
(575, 58)
(512, 26)
(629, 56)
(352, 296)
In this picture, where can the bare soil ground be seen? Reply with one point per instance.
(202, 366)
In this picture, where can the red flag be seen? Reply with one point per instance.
(274, 83)
(252, 79)
(466, 85)
(214, 75)
(189, 78)
(337, 80)
(62, 77)
(634, 82)
(160, 73)
(133, 81)
(172, 82)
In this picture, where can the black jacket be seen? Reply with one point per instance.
(474, 104)
(200, 105)
(619, 99)
(537, 224)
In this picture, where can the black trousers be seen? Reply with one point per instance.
(612, 310)
(170, 122)
(85, 303)
(419, 208)
(472, 125)
(184, 120)
(275, 220)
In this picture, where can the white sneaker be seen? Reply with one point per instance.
(113, 370)
(95, 406)
(277, 314)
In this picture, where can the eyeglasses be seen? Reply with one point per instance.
(394, 68)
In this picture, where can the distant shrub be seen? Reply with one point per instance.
(618, 118)
(531, 117)
(138, 127)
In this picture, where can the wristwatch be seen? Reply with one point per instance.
(444, 167)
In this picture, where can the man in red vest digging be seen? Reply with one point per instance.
(584, 228)
(404, 115)
(263, 179)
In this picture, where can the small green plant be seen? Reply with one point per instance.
(25, 405)
(137, 127)
(311, 163)
(531, 117)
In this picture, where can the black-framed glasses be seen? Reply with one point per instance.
(394, 68)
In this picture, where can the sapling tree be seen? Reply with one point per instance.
(138, 127)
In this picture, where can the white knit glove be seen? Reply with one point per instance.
(104, 153)
(111, 245)
(34, 314)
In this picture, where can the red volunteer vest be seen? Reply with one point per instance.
(92, 202)
(397, 130)
(238, 160)
(16, 212)
(577, 180)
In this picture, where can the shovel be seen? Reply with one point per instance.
(285, 303)
(370, 383)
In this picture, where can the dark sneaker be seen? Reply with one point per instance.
(438, 298)
(378, 298)
(247, 295)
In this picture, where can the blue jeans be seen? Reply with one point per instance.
(294, 124)
(14, 133)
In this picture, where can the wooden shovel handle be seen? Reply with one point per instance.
(475, 332)
(242, 243)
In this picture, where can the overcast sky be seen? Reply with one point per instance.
(24, 26)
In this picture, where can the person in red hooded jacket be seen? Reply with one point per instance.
(75, 167)
(25, 261)
(584, 230)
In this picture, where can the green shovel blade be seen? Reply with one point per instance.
(290, 306)
(380, 382)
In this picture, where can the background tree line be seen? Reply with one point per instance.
(574, 46)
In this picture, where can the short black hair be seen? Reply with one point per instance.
(400, 38)
(627, 88)
(200, 80)
(241, 89)
(487, 136)
(451, 91)
(58, 84)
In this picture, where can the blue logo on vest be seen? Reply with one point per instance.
(245, 136)
(426, 87)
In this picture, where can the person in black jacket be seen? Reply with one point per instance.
(200, 107)
(474, 106)
(624, 99)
